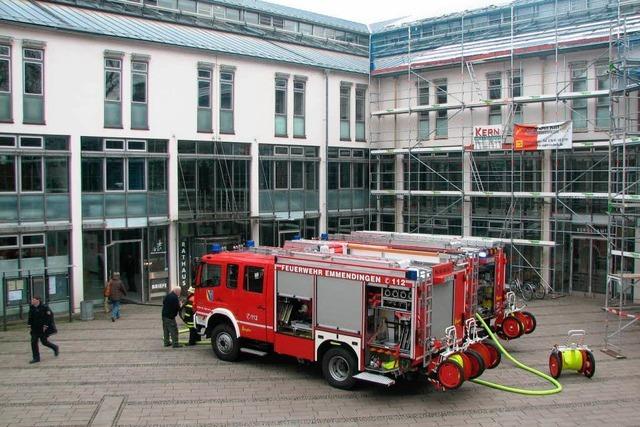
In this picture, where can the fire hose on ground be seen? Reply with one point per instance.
(558, 386)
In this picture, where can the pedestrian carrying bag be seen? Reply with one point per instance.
(107, 289)
(51, 327)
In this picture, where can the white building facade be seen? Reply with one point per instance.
(131, 141)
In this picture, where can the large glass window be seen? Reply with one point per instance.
(345, 112)
(579, 111)
(136, 174)
(494, 88)
(92, 175)
(282, 175)
(115, 174)
(360, 113)
(139, 95)
(299, 87)
(516, 91)
(33, 101)
(423, 116)
(6, 111)
(157, 172)
(31, 173)
(57, 174)
(112, 93)
(226, 102)
(204, 100)
(442, 116)
(7, 173)
(603, 118)
(281, 107)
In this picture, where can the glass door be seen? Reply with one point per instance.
(125, 257)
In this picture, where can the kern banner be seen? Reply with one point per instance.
(487, 137)
(548, 136)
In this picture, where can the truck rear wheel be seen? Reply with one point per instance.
(225, 343)
(339, 367)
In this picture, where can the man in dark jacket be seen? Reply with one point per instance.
(170, 309)
(41, 323)
(117, 291)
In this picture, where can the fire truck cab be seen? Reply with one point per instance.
(360, 317)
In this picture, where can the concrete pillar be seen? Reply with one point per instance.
(75, 191)
(254, 192)
(173, 186)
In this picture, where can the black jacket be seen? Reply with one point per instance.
(170, 306)
(39, 317)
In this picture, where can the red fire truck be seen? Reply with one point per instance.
(366, 318)
(482, 259)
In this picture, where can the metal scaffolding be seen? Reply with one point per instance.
(548, 206)
(624, 197)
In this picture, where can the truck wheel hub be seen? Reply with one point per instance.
(339, 368)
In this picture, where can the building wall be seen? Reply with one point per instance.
(74, 107)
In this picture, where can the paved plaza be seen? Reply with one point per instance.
(120, 374)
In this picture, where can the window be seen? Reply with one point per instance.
(423, 116)
(136, 174)
(299, 87)
(157, 174)
(30, 142)
(516, 91)
(345, 175)
(281, 107)
(115, 174)
(232, 276)
(6, 110)
(112, 93)
(251, 18)
(253, 278)
(345, 112)
(226, 102)
(494, 89)
(114, 144)
(306, 29)
(211, 274)
(603, 119)
(282, 175)
(56, 174)
(360, 113)
(92, 175)
(232, 14)
(30, 174)
(205, 123)
(187, 6)
(297, 182)
(442, 116)
(7, 173)
(139, 95)
(579, 111)
(33, 102)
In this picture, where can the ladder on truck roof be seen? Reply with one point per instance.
(443, 242)
(357, 261)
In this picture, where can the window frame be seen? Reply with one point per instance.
(9, 92)
(303, 91)
(245, 285)
(281, 86)
(42, 183)
(16, 175)
(361, 100)
(345, 114)
(41, 138)
(37, 61)
(231, 83)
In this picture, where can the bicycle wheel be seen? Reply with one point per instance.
(527, 292)
(540, 291)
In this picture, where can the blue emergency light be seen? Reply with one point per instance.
(324, 236)
(216, 248)
(411, 275)
(250, 244)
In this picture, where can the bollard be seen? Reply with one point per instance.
(86, 310)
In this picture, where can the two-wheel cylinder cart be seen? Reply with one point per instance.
(366, 318)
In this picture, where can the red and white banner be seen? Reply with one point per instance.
(547, 136)
(347, 275)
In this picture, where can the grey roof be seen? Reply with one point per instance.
(304, 15)
(110, 24)
(593, 33)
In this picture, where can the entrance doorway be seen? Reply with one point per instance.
(588, 265)
(125, 257)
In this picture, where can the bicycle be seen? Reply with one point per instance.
(539, 289)
(525, 290)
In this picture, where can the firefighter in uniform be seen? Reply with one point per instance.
(187, 316)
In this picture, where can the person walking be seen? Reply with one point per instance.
(170, 309)
(115, 290)
(42, 326)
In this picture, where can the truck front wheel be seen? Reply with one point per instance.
(339, 367)
(225, 343)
